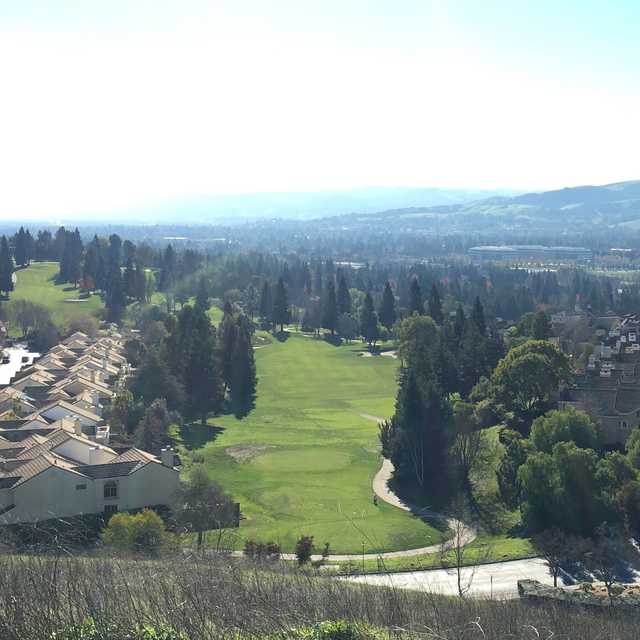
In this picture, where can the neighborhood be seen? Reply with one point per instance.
(55, 458)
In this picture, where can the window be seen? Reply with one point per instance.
(110, 509)
(80, 487)
(110, 490)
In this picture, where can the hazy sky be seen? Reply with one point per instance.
(115, 103)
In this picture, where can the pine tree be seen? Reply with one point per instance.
(244, 380)
(416, 305)
(152, 433)
(330, 308)
(129, 280)
(477, 316)
(281, 313)
(435, 306)
(202, 375)
(369, 321)
(6, 267)
(387, 311)
(344, 297)
(29, 246)
(140, 284)
(167, 273)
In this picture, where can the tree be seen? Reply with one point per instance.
(557, 549)
(435, 306)
(281, 312)
(343, 297)
(152, 432)
(469, 448)
(6, 268)
(243, 380)
(369, 321)
(20, 247)
(604, 559)
(514, 457)
(201, 505)
(387, 311)
(202, 294)
(418, 341)
(459, 323)
(227, 333)
(120, 408)
(541, 329)
(202, 375)
(416, 304)
(304, 549)
(266, 303)
(153, 378)
(477, 316)
(568, 425)
(115, 298)
(330, 308)
(526, 379)
(347, 327)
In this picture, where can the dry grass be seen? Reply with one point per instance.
(221, 598)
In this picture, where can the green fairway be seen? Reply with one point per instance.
(302, 462)
(36, 283)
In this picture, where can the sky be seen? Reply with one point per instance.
(114, 104)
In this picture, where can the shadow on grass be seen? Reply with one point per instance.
(334, 340)
(194, 435)
(281, 336)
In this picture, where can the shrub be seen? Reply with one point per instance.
(261, 550)
(304, 549)
(141, 533)
(88, 630)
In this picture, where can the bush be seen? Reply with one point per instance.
(304, 549)
(140, 533)
(262, 550)
(88, 630)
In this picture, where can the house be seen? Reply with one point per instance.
(65, 474)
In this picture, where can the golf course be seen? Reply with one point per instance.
(302, 462)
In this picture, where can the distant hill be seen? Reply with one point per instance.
(606, 207)
(222, 209)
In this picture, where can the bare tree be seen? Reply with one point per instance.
(557, 549)
(605, 559)
(455, 553)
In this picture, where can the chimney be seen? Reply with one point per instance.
(168, 457)
(77, 427)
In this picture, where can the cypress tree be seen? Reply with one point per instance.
(344, 297)
(244, 380)
(6, 267)
(477, 316)
(227, 334)
(387, 311)
(281, 314)
(330, 308)
(266, 303)
(369, 321)
(115, 299)
(416, 305)
(202, 295)
(459, 322)
(435, 306)
(20, 248)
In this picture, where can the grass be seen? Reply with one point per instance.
(302, 462)
(36, 283)
(486, 548)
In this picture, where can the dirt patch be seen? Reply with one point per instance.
(390, 354)
(245, 452)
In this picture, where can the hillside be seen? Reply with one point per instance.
(580, 208)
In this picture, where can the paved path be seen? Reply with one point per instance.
(498, 579)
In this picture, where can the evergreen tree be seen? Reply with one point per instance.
(227, 335)
(459, 323)
(244, 380)
(344, 297)
(435, 306)
(20, 248)
(152, 433)
(330, 308)
(167, 273)
(115, 299)
(202, 294)
(140, 293)
(129, 280)
(281, 313)
(6, 267)
(369, 321)
(416, 305)
(387, 311)
(29, 246)
(266, 303)
(477, 316)
(201, 366)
